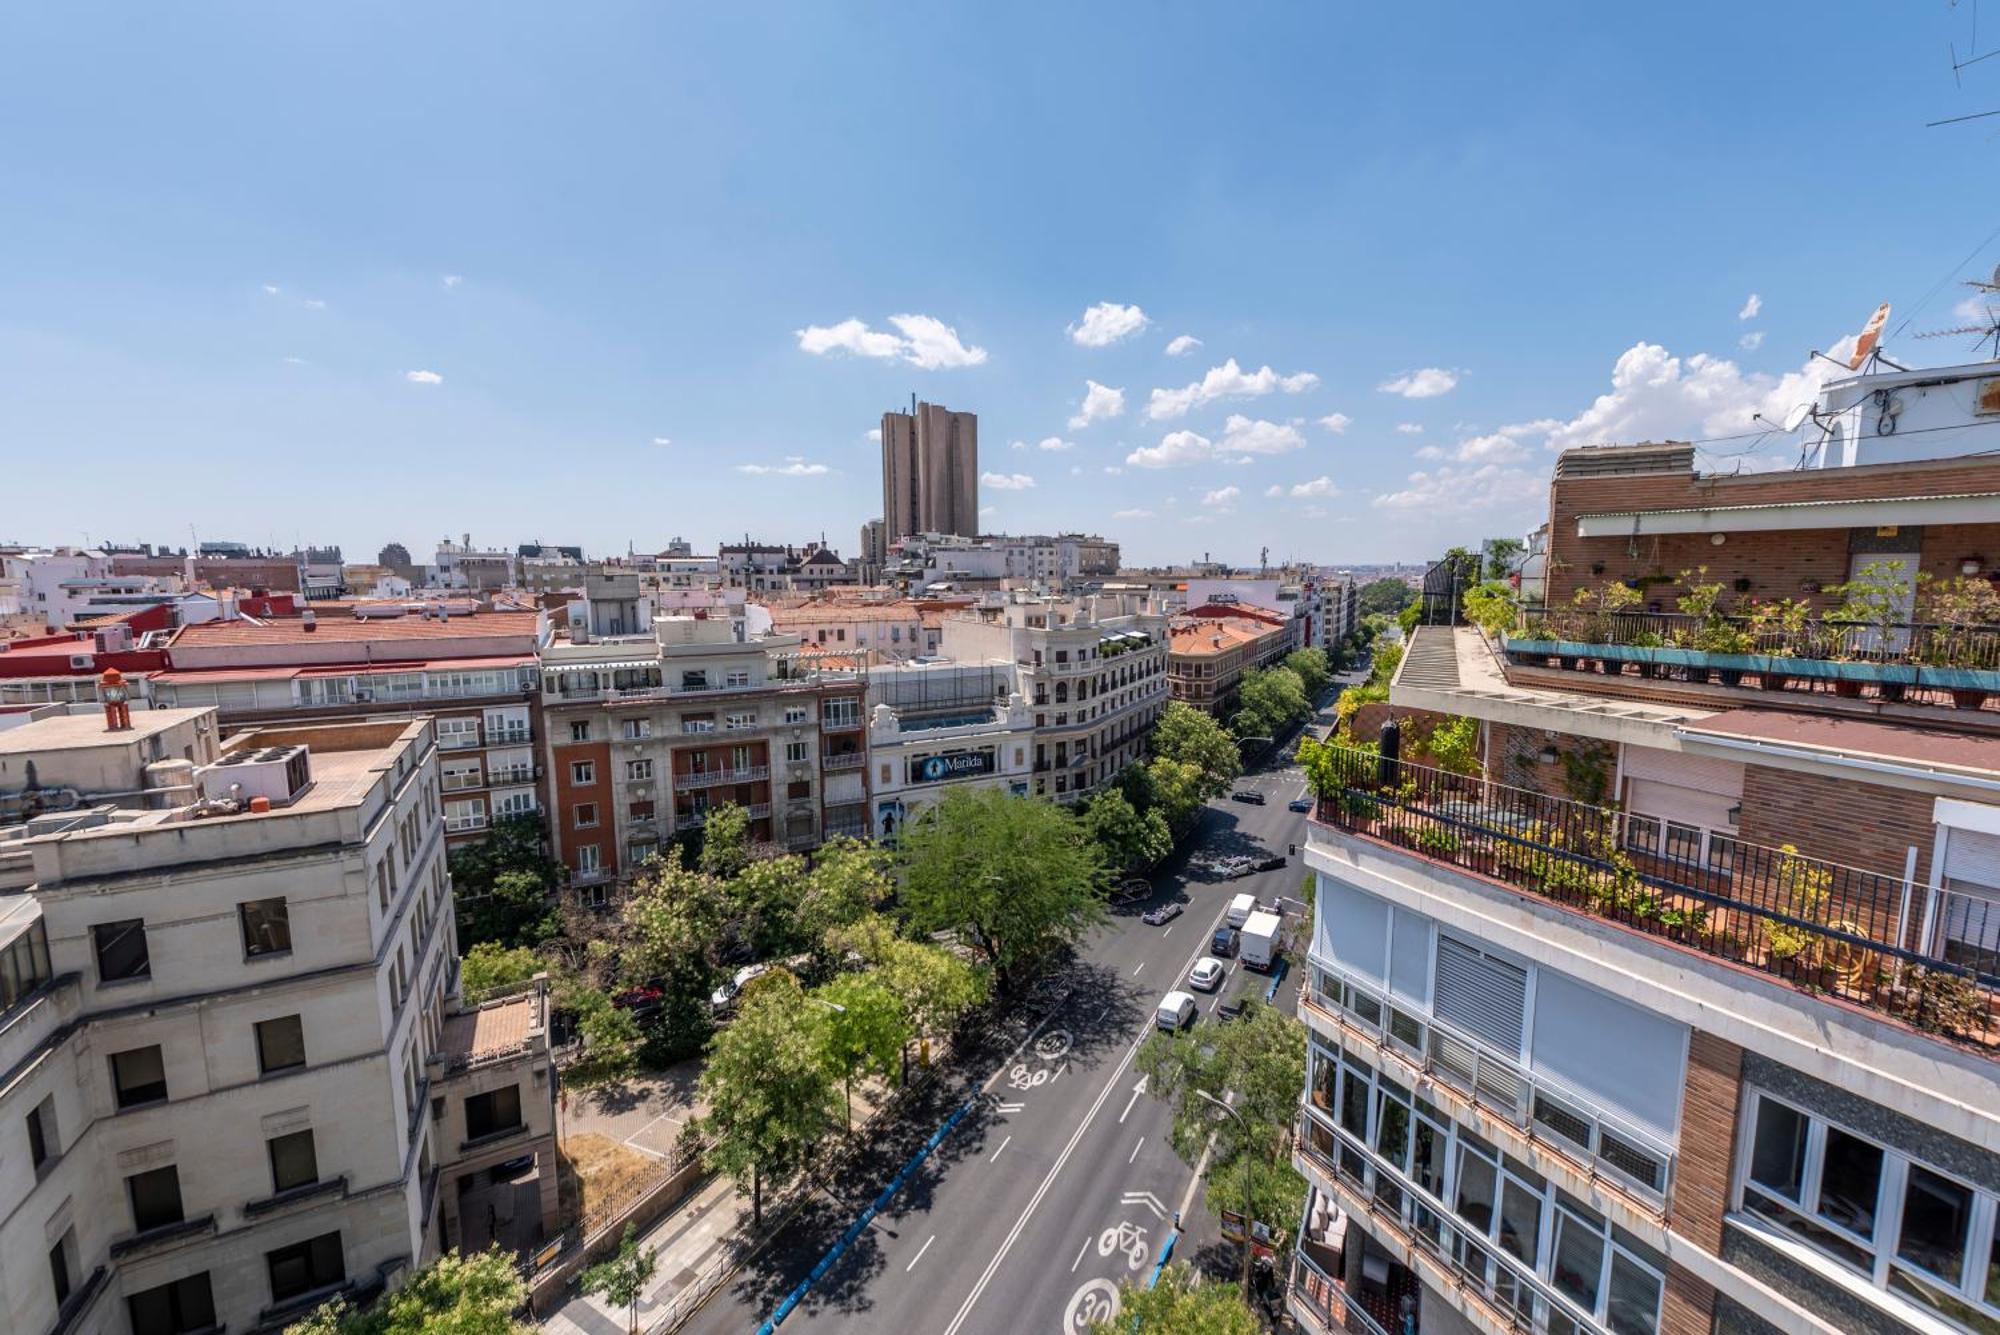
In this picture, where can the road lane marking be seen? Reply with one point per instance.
(1059, 1073)
(1137, 1090)
(1135, 1150)
(1079, 1256)
(1001, 1069)
(920, 1254)
(1135, 972)
(1003, 1146)
(1164, 935)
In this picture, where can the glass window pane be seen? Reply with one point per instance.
(1579, 1260)
(1849, 1180)
(1936, 1214)
(1634, 1308)
(1520, 1220)
(1392, 1130)
(1475, 1191)
(1354, 1103)
(1778, 1153)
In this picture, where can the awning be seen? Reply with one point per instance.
(1789, 516)
(635, 664)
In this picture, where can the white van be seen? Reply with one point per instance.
(1176, 1011)
(1240, 909)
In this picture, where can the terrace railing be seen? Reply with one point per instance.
(1836, 930)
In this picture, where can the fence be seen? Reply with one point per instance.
(1940, 644)
(1817, 925)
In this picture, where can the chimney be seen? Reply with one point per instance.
(309, 622)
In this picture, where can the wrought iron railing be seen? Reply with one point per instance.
(1920, 643)
(1839, 931)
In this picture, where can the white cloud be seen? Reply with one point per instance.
(314, 304)
(1054, 444)
(1006, 481)
(1274, 491)
(1496, 447)
(295, 361)
(1131, 514)
(1222, 382)
(1222, 497)
(1751, 341)
(1099, 403)
(453, 280)
(1319, 487)
(1430, 452)
(423, 377)
(988, 511)
(1410, 428)
(791, 468)
(923, 341)
(1183, 345)
(1106, 323)
(1337, 423)
(662, 441)
(1428, 383)
(1451, 491)
(1751, 307)
(1018, 445)
(1244, 435)
(1175, 450)
(875, 434)
(1113, 469)
(270, 289)
(1076, 470)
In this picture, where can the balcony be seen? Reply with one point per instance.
(840, 723)
(710, 778)
(1836, 931)
(509, 736)
(519, 774)
(849, 760)
(1950, 664)
(1324, 1300)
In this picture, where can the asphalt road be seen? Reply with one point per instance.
(1060, 1181)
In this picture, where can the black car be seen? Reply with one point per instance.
(1161, 916)
(1299, 804)
(1250, 795)
(1271, 863)
(1223, 943)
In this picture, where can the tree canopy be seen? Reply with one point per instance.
(1129, 839)
(501, 885)
(489, 966)
(454, 1295)
(770, 1093)
(1385, 595)
(1180, 1304)
(1017, 875)
(623, 1278)
(1313, 669)
(1269, 702)
(1187, 735)
(865, 1030)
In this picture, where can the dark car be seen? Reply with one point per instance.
(1250, 795)
(1299, 804)
(1232, 1005)
(1161, 916)
(1223, 942)
(1271, 863)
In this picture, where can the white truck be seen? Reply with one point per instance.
(1260, 941)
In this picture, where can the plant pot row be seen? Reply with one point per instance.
(1969, 687)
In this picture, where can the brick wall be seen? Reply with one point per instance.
(1837, 820)
(569, 795)
(1709, 1105)
(1689, 1308)
(1513, 756)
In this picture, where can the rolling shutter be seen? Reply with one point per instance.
(1722, 778)
(1611, 1052)
(1353, 929)
(1481, 994)
(1971, 855)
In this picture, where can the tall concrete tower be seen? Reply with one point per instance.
(930, 472)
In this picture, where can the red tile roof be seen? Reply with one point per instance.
(349, 629)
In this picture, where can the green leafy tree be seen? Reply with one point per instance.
(932, 985)
(1018, 875)
(678, 920)
(1178, 790)
(725, 841)
(865, 1030)
(1501, 554)
(770, 1093)
(1313, 669)
(1128, 838)
(849, 880)
(623, 1278)
(1180, 1304)
(489, 966)
(1269, 702)
(502, 885)
(454, 1295)
(611, 1036)
(1385, 595)
(1184, 733)
(760, 903)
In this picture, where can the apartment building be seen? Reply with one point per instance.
(471, 667)
(1093, 670)
(1680, 1014)
(1215, 644)
(238, 1080)
(645, 735)
(930, 472)
(936, 726)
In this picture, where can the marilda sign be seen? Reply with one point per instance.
(954, 765)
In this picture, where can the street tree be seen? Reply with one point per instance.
(1186, 734)
(932, 985)
(769, 1091)
(1128, 838)
(1268, 702)
(849, 880)
(623, 1278)
(1180, 1304)
(1314, 670)
(1017, 875)
(865, 1030)
(677, 922)
(1385, 595)
(725, 841)
(456, 1294)
(502, 885)
(611, 1036)
(1178, 789)
(489, 966)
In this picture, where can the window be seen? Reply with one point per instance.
(738, 721)
(493, 1112)
(457, 734)
(737, 677)
(795, 752)
(121, 950)
(43, 1146)
(316, 1263)
(465, 814)
(635, 729)
(698, 723)
(267, 927)
(795, 714)
(24, 965)
(61, 1259)
(460, 773)
(587, 858)
(156, 1198)
(579, 730)
(138, 1076)
(281, 1044)
(586, 815)
(174, 1308)
(638, 771)
(294, 1163)
(1903, 1224)
(583, 773)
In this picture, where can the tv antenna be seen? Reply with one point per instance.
(1988, 332)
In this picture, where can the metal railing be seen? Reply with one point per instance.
(851, 760)
(710, 778)
(1832, 929)
(1327, 1300)
(1918, 643)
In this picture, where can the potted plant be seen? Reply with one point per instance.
(1779, 629)
(1725, 643)
(1962, 637)
(1872, 608)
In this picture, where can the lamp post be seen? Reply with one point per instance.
(1242, 1122)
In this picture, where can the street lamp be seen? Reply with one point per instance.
(1242, 1122)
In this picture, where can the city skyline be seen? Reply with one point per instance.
(1237, 328)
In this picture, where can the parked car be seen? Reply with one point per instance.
(725, 996)
(1235, 868)
(1176, 1011)
(1250, 795)
(1208, 974)
(1161, 916)
(1223, 942)
(1299, 804)
(1270, 863)
(1132, 889)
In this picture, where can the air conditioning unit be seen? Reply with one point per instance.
(81, 662)
(114, 639)
(364, 694)
(279, 773)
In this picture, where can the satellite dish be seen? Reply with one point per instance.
(1871, 334)
(1797, 416)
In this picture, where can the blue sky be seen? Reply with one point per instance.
(594, 228)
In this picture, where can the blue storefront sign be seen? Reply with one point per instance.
(952, 765)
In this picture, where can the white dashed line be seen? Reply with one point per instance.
(920, 1254)
(1136, 1149)
(1003, 1147)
